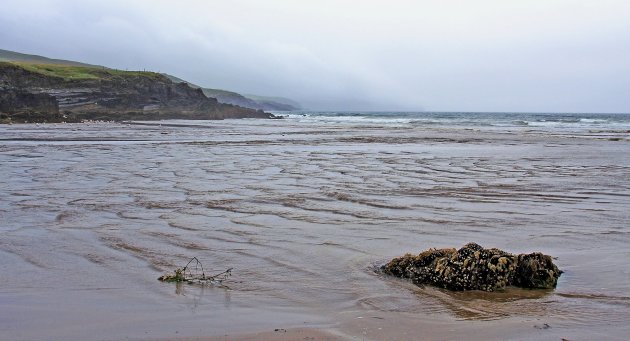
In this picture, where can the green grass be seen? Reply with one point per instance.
(69, 72)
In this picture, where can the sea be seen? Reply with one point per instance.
(304, 210)
(558, 122)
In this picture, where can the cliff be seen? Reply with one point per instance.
(46, 92)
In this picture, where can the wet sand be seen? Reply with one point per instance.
(92, 214)
(298, 334)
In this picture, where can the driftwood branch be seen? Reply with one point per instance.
(196, 275)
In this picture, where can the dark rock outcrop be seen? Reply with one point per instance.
(474, 268)
(22, 106)
(14, 100)
(83, 93)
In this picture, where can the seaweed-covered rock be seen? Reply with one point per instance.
(536, 270)
(474, 268)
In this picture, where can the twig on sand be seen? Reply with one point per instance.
(196, 275)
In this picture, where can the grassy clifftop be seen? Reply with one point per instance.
(70, 72)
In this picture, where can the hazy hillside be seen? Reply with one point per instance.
(275, 103)
(248, 101)
(6, 55)
(223, 96)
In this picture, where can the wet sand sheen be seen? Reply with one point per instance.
(94, 214)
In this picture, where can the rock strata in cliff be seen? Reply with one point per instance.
(72, 93)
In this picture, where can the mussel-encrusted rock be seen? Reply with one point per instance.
(474, 268)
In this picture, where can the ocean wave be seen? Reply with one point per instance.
(593, 120)
(544, 121)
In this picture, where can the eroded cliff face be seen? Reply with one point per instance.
(61, 93)
(23, 106)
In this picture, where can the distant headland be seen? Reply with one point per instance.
(35, 89)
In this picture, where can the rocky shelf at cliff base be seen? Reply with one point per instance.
(57, 93)
(474, 268)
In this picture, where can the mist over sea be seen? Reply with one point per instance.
(304, 209)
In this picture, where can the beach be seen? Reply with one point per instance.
(305, 209)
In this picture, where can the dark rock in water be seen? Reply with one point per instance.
(536, 270)
(474, 268)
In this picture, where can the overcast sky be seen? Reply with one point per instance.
(483, 55)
